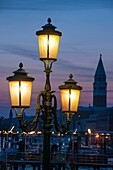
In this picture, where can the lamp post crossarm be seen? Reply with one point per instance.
(26, 125)
(59, 128)
(54, 109)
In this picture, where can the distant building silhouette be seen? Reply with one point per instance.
(10, 114)
(97, 117)
(100, 86)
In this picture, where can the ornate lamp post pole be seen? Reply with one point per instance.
(48, 40)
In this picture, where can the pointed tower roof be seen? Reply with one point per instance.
(100, 68)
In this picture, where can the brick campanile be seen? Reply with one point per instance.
(100, 86)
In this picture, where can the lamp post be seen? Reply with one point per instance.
(48, 40)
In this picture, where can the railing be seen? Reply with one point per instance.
(60, 157)
(80, 158)
(25, 156)
(91, 159)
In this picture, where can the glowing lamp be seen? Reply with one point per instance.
(20, 85)
(70, 94)
(48, 40)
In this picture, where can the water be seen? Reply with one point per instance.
(86, 168)
(28, 167)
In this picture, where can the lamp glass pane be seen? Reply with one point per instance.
(14, 92)
(26, 88)
(70, 100)
(50, 42)
(20, 93)
(53, 46)
(65, 99)
(42, 41)
(74, 100)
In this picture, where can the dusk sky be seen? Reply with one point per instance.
(87, 32)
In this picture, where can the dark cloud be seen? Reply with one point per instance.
(62, 64)
(55, 5)
(69, 65)
(18, 51)
(82, 73)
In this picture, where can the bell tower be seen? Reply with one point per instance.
(100, 86)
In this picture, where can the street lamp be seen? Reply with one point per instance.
(20, 86)
(46, 104)
(70, 94)
(48, 40)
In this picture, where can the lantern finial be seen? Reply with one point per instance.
(49, 20)
(20, 65)
(71, 76)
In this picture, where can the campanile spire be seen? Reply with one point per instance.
(100, 86)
